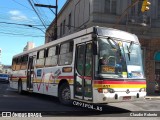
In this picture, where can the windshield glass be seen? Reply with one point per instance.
(119, 59)
(133, 60)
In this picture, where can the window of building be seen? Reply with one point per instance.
(40, 59)
(110, 6)
(136, 9)
(66, 53)
(69, 22)
(61, 30)
(159, 8)
(52, 56)
(157, 67)
(64, 26)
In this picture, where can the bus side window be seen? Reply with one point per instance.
(14, 64)
(66, 53)
(40, 58)
(88, 64)
(18, 63)
(51, 58)
(24, 62)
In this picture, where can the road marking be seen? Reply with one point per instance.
(9, 96)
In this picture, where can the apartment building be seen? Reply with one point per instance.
(80, 14)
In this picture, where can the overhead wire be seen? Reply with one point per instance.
(37, 13)
(15, 30)
(19, 24)
(43, 13)
(22, 5)
(28, 35)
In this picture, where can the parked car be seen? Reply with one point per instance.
(4, 78)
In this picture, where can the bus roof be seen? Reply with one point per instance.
(115, 33)
(100, 31)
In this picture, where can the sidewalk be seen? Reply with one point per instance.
(155, 96)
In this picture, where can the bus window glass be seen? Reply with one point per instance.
(24, 62)
(119, 59)
(14, 64)
(18, 63)
(111, 59)
(134, 60)
(41, 54)
(66, 53)
(52, 57)
(40, 59)
(52, 51)
(88, 64)
(80, 59)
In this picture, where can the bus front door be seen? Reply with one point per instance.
(83, 72)
(30, 72)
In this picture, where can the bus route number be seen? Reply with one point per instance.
(106, 86)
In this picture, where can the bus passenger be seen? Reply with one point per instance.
(103, 60)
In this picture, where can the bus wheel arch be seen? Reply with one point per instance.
(20, 89)
(64, 92)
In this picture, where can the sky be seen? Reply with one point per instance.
(13, 38)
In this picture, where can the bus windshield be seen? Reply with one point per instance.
(119, 59)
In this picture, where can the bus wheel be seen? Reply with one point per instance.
(20, 87)
(64, 94)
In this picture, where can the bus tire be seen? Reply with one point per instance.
(20, 91)
(64, 94)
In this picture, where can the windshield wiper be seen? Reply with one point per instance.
(115, 46)
(129, 50)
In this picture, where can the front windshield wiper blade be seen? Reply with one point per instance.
(129, 50)
(111, 43)
(115, 46)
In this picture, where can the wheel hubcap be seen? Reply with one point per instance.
(66, 94)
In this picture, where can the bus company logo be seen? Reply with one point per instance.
(127, 91)
(56, 74)
(6, 114)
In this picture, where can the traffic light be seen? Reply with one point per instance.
(145, 5)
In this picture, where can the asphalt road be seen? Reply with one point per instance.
(11, 101)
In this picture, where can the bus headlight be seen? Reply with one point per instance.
(142, 90)
(106, 90)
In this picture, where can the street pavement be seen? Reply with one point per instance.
(10, 100)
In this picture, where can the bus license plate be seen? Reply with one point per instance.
(126, 97)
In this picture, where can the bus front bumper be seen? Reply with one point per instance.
(117, 97)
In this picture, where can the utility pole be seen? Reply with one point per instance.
(56, 13)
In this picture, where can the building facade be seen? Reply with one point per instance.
(80, 14)
(29, 46)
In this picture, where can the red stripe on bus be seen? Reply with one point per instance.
(65, 77)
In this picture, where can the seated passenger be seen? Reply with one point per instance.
(103, 60)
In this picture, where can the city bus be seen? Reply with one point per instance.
(95, 65)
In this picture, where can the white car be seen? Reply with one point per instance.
(4, 77)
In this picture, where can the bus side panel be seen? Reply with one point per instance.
(49, 81)
(38, 80)
(16, 76)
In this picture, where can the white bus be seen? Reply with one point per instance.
(95, 65)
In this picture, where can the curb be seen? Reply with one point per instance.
(153, 97)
